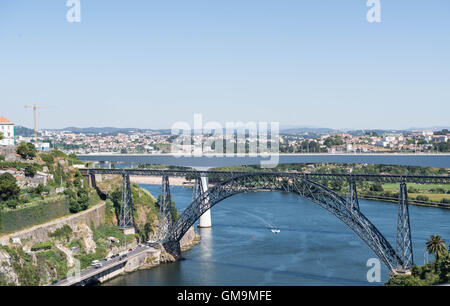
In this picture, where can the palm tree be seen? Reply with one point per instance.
(436, 245)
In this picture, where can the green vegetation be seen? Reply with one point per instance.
(26, 150)
(41, 211)
(22, 208)
(48, 262)
(101, 234)
(8, 188)
(51, 260)
(46, 245)
(416, 192)
(333, 141)
(62, 233)
(30, 170)
(436, 246)
(22, 263)
(435, 272)
(145, 209)
(442, 146)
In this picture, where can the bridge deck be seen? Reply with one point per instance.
(312, 176)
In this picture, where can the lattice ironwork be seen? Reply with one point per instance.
(298, 184)
(352, 195)
(198, 188)
(221, 176)
(126, 219)
(165, 209)
(404, 241)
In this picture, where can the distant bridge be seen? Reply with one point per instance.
(306, 185)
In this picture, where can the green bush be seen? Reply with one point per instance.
(39, 212)
(26, 150)
(422, 198)
(376, 187)
(63, 232)
(52, 260)
(30, 170)
(8, 187)
(46, 245)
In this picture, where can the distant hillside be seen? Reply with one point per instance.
(112, 130)
(433, 128)
(23, 131)
(308, 131)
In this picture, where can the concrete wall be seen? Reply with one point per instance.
(9, 152)
(39, 233)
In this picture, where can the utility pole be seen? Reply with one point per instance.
(35, 108)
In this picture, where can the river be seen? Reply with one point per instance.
(313, 247)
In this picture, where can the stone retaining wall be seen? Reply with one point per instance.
(39, 233)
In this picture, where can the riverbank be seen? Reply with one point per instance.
(155, 180)
(180, 181)
(153, 257)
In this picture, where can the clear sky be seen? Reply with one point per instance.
(148, 64)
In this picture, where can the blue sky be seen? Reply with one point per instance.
(151, 63)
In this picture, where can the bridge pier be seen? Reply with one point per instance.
(353, 195)
(126, 220)
(404, 241)
(205, 219)
(173, 248)
(165, 209)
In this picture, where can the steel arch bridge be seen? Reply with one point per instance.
(345, 209)
(306, 185)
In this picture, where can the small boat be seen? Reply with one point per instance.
(275, 231)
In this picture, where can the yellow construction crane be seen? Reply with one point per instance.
(35, 108)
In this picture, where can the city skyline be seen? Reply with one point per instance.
(151, 64)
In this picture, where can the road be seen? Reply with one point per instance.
(108, 264)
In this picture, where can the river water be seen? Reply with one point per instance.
(313, 247)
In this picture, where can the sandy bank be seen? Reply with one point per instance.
(155, 180)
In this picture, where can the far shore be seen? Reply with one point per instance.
(155, 180)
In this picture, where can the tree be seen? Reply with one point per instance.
(8, 187)
(30, 171)
(376, 187)
(1, 136)
(26, 150)
(436, 245)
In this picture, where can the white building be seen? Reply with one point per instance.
(7, 129)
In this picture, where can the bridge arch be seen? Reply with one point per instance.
(298, 184)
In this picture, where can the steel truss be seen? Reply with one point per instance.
(226, 175)
(344, 209)
(126, 219)
(352, 194)
(404, 241)
(165, 210)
